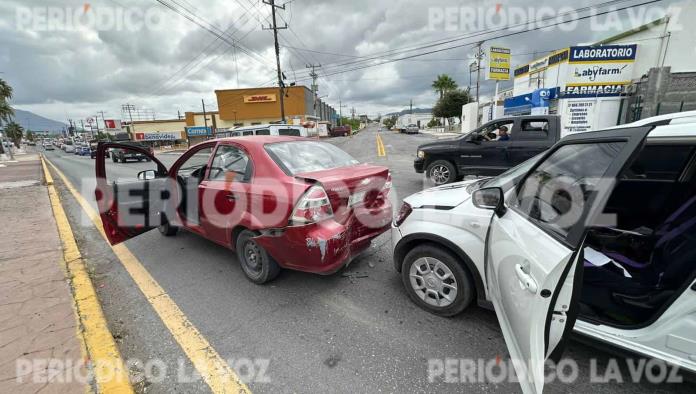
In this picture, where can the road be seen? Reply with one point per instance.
(355, 331)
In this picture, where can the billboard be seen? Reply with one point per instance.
(157, 136)
(198, 131)
(112, 125)
(599, 71)
(499, 64)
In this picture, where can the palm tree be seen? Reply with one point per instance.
(6, 111)
(14, 133)
(443, 84)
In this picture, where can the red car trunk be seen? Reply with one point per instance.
(358, 197)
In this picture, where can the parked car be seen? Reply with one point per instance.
(340, 131)
(508, 244)
(47, 146)
(411, 129)
(125, 153)
(480, 153)
(297, 203)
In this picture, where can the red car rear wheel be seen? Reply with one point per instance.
(258, 266)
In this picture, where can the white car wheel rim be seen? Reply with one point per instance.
(433, 282)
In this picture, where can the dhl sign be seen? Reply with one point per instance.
(260, 98)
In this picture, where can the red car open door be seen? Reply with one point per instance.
(130, 206)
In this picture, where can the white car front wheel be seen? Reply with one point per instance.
(436, 280)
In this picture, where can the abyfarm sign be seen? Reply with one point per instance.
(599, 71)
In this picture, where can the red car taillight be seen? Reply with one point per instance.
(314, 206)
(403, 214)
(387, 184)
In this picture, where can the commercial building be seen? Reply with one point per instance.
(159, 132)
(636, 74)
(248, 107)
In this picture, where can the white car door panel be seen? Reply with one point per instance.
(528, 266)
(534, 259)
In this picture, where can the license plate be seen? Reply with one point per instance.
(356, 198)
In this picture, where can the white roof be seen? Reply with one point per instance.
(680, 130)
(677, 117)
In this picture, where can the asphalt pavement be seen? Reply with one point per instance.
(354, 331)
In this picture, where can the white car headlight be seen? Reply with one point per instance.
(421, 154)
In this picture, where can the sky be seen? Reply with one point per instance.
(70, 59)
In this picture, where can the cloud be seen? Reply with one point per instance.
(76, 72)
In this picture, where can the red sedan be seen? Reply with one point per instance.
(279, 202)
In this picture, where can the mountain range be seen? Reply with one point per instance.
(415, 111)
(31, 121)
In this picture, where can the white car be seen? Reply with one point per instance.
(532, 244)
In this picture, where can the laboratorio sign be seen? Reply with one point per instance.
(603, 53)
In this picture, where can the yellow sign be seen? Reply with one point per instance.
(260, 98)
(499, 64)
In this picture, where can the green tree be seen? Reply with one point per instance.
(6, 112)
(434, 123)
(390, 121)
(14, 132)
(353, 123)
(30, 136)
(450, 105)
(443, 84)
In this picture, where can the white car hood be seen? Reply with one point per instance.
(445, 196)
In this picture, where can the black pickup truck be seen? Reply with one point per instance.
(481, 152)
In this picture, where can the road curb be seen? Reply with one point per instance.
(108, 368)
(214, 370)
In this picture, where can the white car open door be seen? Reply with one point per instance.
(534, 254)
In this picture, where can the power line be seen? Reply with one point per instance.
(216, 31)
(487, 39)
(436, 43)
(275, 29)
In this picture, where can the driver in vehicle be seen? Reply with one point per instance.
(503, 135)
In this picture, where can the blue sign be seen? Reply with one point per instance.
(199, 131)
(523, 104)
(603, 53)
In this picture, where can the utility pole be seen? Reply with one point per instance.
(129, 108)
(275, 28)
(205, 116)
(315, 87)
(340, 112)
(479, 57)
(103, 119)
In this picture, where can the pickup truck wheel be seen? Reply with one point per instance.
(436, 281)
(441, 172)
(258, 266)
(113, 158)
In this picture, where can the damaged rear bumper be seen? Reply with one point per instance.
(321, 248)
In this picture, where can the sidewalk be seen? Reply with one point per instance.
(40, 346)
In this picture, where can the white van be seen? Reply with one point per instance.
(267, 129)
